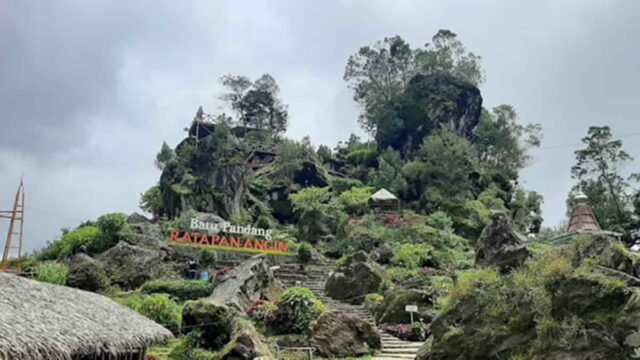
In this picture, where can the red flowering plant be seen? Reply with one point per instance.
(391, 219)
(407, 332)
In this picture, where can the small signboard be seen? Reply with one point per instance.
(411, 308)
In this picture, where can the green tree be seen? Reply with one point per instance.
(389, 174)
(598, 171)
(314, 206)
(256, 103)
(447, 54)
(151, 201)
(503, 143)
(165, 155)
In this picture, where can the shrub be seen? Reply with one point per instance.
(51, 272)
(157, 307)
(114, 228)
(441, 221)
(356, 200)
(69, 243)
(304, 253)
(410, 256)
(181, 290)
(304, 306)
(207, 257)
(340, 185)
(214, 321)
(398, 274)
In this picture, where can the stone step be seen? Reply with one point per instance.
(398, 347)
(397, 356)
(386, 350)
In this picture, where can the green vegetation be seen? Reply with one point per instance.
(51, 272)
(303, 304)
(157, 307)
(180, 290)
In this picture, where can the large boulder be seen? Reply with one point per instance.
(87, 274)
(392, 309)
(136, 218)
(382, 254)
(214, 320)
(250, 281)
(130, 266)
(500, 246)
(357, 277)
(248, 344)
(340, 335)
(224, 331)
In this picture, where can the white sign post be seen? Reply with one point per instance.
(411, 309)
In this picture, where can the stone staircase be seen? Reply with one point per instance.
(314, 277)
(394, 348)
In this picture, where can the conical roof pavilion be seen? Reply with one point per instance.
(582, 217)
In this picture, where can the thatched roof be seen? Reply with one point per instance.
(383, 195)
(45, 321)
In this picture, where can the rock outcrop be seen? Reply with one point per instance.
(567, 303)
(130, 266)
(87, 274)
(224, 330)
(250, 281)
(382, 254)
(357, 277)
(392, 309)
(337, 334)
(500, 246)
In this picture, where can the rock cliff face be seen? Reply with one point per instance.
(340, 335)
(437, 100)
(356, 278)
(499, 245)
(577, 302)
(251, 281)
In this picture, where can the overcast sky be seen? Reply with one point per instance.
(89, 90)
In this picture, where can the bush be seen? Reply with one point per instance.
(51, 272)
(69, 243)
(207, 257)
(114, 228)
(181, 290)
(410, 256)
(305, 253)
(340, 185)
(398, 274)
(441, 221)
(157, 307)
(214, 321)
(356, 200)
(402, 331)
(304, 306)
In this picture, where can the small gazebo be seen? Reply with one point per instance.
(582, 221)
(384, 200)
(44, 321)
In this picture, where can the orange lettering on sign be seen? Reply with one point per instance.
(259, 244)
(268, 244)
(204, 240)
(282, 246)
(234, 241)
(196, 236)
(173, 236)
(223, 241)
(247, 244)
(215, 239)
(186, 238)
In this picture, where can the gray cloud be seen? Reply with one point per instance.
(90, 89)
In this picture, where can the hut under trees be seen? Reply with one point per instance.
(384, 200)
(44, 321)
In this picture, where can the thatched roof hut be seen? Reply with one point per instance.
(44, 321)
(385, 200)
